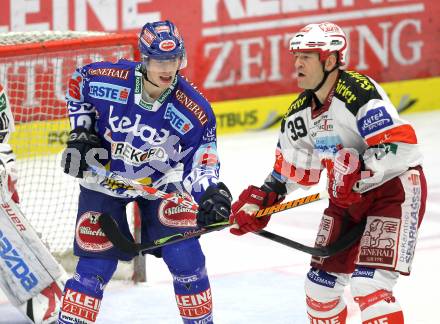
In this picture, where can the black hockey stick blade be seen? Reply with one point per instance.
(111, 230)
(344, 242)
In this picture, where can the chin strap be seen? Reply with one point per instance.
(145, 74)
(326, 74)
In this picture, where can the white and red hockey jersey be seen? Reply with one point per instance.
(357, 114)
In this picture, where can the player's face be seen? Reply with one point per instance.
(308, 69)
(162, 72)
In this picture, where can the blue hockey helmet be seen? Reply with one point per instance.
(161, 40)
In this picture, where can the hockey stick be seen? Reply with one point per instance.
(344, 242)
(111, 230)
(101, 176)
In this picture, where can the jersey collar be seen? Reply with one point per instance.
(139, 87)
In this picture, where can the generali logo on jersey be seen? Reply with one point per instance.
(110, 72)
(193, 107)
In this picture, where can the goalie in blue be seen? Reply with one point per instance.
(143, 121)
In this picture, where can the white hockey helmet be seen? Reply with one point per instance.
(325, 38)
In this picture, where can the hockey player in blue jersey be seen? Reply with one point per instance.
(143, 121)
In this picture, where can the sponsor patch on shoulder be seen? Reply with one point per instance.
(375, 120)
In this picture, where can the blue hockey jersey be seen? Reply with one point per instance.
(170, 140)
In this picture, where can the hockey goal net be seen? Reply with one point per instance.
(34, 69)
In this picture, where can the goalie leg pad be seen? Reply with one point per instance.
(83, 293)
(29, 275)
(324, 296)
(26, 266)
(186, 262)
(372, 289)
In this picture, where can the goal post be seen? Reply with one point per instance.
(34, 69)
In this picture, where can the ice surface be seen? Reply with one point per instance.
(258, 281)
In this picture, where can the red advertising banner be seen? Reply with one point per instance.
(238, 48)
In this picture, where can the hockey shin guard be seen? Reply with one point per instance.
(372, 290)
(186, 263)
(324, 297)
(83, 293)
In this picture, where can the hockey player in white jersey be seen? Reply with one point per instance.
(29, 275)
(345, 123)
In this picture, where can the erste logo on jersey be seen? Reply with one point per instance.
(375, 120)
(178, 120)
(110, 92)
(322, 124)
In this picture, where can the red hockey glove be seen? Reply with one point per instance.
(251, 200)
(342, 177)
